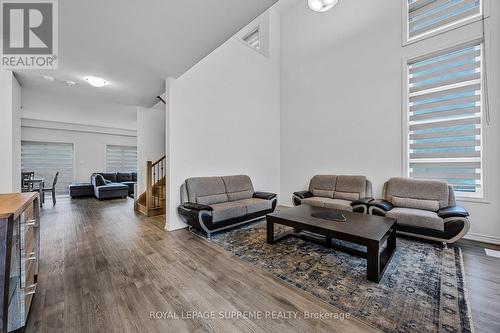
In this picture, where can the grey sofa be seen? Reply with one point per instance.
(423, 208)
(349, 193)
(211, 204)
(113, 185)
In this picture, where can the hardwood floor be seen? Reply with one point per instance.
(105, 269)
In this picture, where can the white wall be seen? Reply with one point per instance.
(223, 118)
(341, 97)
(150, 143)
(10, 104)
(89, 143)
(44, 104)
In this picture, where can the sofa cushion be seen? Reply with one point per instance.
(315, 201)
(322, 193)
(228, 210)
(347, 185)
(112, 187)
(99, 180)
(110, 176)
(416, 218)
(432, 205)
(255, 205)
(351, 196)
(339, 204)
(418, 189)
(212, 199)
(134, 176)
(323, 183)
(123, 177)
(205, 186)
(238, 187)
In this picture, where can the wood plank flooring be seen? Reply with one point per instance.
(104, 268)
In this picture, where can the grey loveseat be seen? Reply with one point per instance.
(423, 208)
(349, 193)
(211, 204)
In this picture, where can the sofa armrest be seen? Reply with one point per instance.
(381, 204)
(456, 211)
(362, 201)
(264, 195)
(196, 206)
(303, 194)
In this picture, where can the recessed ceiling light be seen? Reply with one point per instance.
(96, 81)
(70, 83)
(321, 5)
(49, 78)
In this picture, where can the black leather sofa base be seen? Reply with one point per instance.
(81, 190)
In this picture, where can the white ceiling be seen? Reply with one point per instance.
(135, 45)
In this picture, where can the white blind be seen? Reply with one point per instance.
(445, 118)
(45, 159)
(121, 158)
(253, 38)
(426, 16)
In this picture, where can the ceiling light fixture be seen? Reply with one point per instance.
(96, 81)
(49, 78)
(321, 5)
(70, 83)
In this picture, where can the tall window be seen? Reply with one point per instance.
(121, 158)
(47, 158)
(428, 17)
(445, 118)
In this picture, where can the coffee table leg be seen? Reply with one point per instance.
(373, 263)
(270, 232)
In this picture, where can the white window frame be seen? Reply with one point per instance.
(106, 156)
(484, 12)
(481, 196)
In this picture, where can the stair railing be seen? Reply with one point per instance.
(155, 178)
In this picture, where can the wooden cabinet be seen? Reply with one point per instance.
(19, 255)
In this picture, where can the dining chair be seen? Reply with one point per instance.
(53, 189)
(25, 186)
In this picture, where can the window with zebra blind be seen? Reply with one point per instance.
(121, 158)
(45, 159)
(429, 17)
(445, 118)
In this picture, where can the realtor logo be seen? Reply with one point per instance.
(29, 34)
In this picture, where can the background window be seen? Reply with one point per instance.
(121, 158)
(253, 39)
(444, 118)
(47, 158)
(426, 17)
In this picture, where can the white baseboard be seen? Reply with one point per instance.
(483, 238)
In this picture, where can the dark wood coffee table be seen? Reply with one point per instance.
(367, 230)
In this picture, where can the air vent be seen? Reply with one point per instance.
(253, 39)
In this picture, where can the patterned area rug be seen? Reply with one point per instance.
(422, 289)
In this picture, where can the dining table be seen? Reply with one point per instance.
(39, 188)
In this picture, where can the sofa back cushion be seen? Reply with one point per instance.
(323, 185)
(134, 176)
(109, 176)
(238, 187)
(430, 190)
(123, 177)
(432, 205)
(350, 187)
(206, 190)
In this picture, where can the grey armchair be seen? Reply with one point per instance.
(423, 208)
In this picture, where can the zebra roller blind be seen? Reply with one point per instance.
(445, 110)
(426, 16)
(121, 158)
(47, 158)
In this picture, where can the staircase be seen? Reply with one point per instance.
(152, 202)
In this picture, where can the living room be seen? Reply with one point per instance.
(333, 114)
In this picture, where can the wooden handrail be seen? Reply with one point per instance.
(161, 159)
